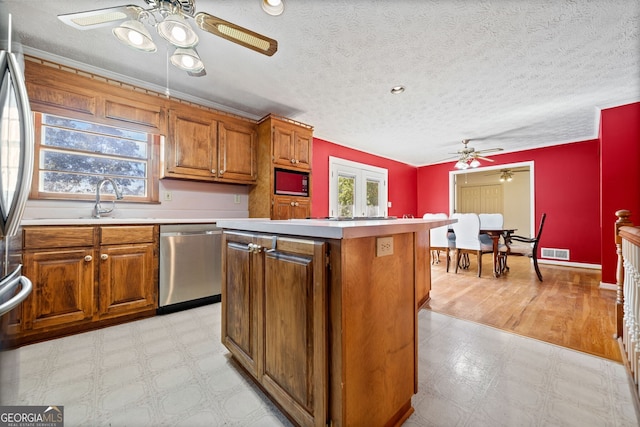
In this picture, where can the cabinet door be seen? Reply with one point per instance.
(127, 280)
(295, 324)
(62, 287)
(191, 148)
(237, 152)
(302, 149)
(242, 300)
(288, 207)
(283, 140)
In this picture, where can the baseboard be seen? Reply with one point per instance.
(570, 264)
(608, 286)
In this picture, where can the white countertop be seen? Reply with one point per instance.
(332, 229)
(107, 220)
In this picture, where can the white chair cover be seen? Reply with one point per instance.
(439, 237)
(467, 231)
(490, 220)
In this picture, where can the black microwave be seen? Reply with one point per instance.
(292, 183)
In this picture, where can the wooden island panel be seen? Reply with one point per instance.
(334, 316)
(378, 327)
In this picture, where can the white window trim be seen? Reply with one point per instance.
(362, 172)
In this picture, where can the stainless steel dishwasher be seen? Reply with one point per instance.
(190, 259)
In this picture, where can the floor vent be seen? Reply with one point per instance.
(555, 253)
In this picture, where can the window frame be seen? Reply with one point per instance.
(153, 162)
(361, 172)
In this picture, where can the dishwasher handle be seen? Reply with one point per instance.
(191, 233)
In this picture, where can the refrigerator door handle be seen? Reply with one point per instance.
(9, 284)
(13, 89)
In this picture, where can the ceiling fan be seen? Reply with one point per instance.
(506, 175)
(169, 17)
(470, 158)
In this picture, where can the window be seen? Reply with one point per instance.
(72, 156)
(356, 189)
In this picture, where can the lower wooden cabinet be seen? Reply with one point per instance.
(63, 290)
(85, 277)
(274, 318)
(291, 207)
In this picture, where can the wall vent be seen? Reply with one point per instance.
(555, 253)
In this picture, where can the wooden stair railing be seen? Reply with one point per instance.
(627, 239)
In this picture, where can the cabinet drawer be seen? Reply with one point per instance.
(127, 234)
(57, 237)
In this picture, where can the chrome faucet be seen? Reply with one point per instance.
(98, 209)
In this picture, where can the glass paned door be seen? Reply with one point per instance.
(373, 197)
(346, 195)
(356, 189)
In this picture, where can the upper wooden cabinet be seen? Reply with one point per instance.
(291, 144)
(237, 151)
(205, 146)
(200, 143)
(282, 144)
(191, 148)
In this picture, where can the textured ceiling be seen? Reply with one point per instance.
(514, 74)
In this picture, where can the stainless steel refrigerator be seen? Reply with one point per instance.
(16, 165)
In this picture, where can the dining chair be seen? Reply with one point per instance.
(439, 240)
(527, 246)
(490, 220)
(467, 231)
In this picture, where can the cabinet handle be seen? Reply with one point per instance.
(293, 161)
(253, 248)
(292, 204)
(296, 204)
(213, 171)
(88, 258)
(104, 257)
(221, 172)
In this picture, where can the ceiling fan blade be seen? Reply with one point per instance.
(484, 158)
(236, 34)
(489, 150)
(91, 19)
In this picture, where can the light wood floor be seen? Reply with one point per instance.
(568, 308)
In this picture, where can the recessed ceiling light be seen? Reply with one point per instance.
(273, 7)
(397, 89)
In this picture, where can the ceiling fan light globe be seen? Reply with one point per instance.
(474, 163)
(273, 7)
(176, 30)
(135, 35)
(461, 165)
(187, 60)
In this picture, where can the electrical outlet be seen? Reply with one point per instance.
(388, 204)
(384, 246)
(168, 196)
(236, 199)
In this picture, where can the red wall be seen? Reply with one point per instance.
(566, 189)
(401, 186)
(620, 181)
(578, 185)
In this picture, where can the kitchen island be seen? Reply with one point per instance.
(323, 314)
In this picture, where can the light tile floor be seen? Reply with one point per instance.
(172, 370)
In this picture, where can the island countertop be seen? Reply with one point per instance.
(333, 229)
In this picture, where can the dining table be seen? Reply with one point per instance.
(495, 234)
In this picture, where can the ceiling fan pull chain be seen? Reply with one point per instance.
(167, 93)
